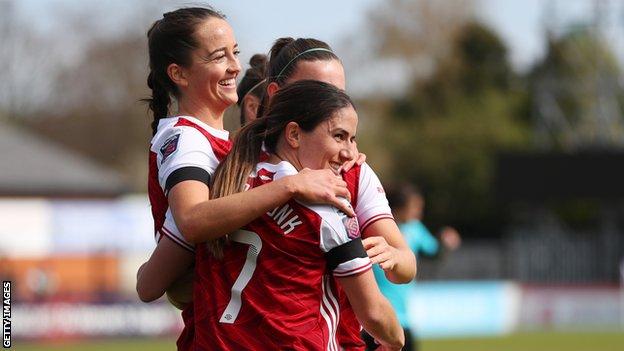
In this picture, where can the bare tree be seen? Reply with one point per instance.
(407, 30)
(25, 59)
(402, 40)
(90, 74)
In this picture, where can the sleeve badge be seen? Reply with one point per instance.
(169, 147)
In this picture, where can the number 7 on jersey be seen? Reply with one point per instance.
(255, 245)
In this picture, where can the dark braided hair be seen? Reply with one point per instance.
(171, 39)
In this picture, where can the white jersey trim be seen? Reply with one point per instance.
(371, 203)
(330, 313)
(177, 240)
(192, 149)
(334, 224)
(219, 133)
(352, 267)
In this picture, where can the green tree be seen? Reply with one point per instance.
(446, 131)
(576, 95)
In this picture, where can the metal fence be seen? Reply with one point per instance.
(543, 250)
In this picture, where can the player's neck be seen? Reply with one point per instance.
(210, 116)
(280, 156)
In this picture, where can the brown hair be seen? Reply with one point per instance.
(253, 82)
(171, 39)
(284, 56)
(306, 102)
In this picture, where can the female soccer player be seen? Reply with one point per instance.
(194, 58)
(251, 88)
(267, 286)
(292, 60)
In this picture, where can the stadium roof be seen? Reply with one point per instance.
(31, 166)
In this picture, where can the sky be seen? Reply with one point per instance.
(521, 23)
(518, 21)
(258, 23)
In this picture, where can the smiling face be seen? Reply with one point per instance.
(211, 77)
(330, 144)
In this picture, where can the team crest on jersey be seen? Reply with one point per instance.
(169, 147)
(265, 175)
(352, 226)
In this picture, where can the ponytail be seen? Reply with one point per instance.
(159, 102)
(279, 45)
(307, 103)
(232, 173)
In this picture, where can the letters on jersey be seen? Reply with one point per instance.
(272, 289)
(285, 219)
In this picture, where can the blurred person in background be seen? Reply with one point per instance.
(292, 60)
(268, 286)
(41, 283)
(193, 58)
(251, 88)
(408, 204)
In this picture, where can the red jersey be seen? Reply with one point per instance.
(369, 201)
(273, 290)
(183, 148)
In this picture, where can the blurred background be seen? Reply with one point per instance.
(507, 114)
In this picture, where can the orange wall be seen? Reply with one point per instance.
(68, 275)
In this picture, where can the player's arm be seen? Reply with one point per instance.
(201, 220)
(386, 246)
(373, 310)
(166, 265)
(350, 265)
(187, 162)
(383, 241)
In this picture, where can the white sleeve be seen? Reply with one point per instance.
(372, 204)
(170, 229)
(340, 241)
(184, 147)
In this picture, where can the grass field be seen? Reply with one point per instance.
(532, 342)
(514, 342)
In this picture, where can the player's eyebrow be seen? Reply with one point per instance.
(341, 131)
(223, 48)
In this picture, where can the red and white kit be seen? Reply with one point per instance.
(273, 289)
(368, 198)
(184, 148)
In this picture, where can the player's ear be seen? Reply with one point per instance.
(292, 134)
(177, 74)
(272, 88)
